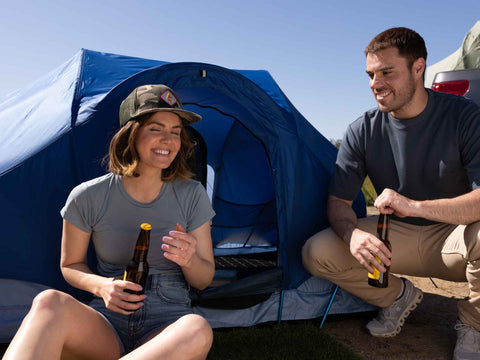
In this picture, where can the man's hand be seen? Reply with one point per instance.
(460, 210)
(365, 246)
(391, 202)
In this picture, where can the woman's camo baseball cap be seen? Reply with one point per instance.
(147, 99)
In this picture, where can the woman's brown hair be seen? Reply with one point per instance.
(123, 158)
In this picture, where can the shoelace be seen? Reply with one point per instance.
(462, 326)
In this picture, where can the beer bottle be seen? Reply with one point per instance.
(137, 268)
(378, 279)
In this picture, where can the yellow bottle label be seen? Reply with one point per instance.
(376, 274)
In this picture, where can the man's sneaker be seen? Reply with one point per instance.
(468, 343)
(390, 320)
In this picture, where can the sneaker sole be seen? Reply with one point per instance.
(413, 305)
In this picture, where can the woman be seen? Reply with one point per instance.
(148, 182)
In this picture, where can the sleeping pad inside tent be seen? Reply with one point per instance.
(265, 168)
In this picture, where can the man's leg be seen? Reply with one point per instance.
(456, 257)
(327, 256)
(469, 309)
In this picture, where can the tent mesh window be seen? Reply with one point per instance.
(244, 229)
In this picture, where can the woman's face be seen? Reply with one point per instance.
(158, 141)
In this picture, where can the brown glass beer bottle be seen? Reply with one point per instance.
(378, 279)
(137, 268)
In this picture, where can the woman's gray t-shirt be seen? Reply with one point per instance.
(103, 208)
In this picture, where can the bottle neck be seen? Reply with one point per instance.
(382, 227)
(143, 243)
(140, 255)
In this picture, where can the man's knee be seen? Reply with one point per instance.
(312, 251)
(320, 249)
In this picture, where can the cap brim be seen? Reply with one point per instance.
(187, 117)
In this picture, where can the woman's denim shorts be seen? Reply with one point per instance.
(167, 300)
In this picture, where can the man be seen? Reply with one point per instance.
(421, 149)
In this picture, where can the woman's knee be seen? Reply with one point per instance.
(51, 300)
(200, 332)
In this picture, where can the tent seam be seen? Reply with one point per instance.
(76, 96)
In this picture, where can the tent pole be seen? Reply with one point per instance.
(329, 305)
(280, 307)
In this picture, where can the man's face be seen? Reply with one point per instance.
(392, 82)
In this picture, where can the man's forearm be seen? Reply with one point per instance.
(342, 218)
(464, 209)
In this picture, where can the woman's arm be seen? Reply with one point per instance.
(73, 263)
(193, 252)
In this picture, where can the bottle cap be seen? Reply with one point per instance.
(146, 226)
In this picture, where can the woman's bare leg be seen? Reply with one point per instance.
(58, 326)
(188, 338)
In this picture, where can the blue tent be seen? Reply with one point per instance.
(268, 173)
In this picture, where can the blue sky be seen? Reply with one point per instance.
(313, 49)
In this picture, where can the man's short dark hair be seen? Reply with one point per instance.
(409, 43)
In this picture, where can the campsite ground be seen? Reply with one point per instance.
(427, 334)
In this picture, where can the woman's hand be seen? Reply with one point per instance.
(117, 300)
(73, 264)
(179, 247)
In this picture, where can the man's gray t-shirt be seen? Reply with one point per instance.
(432, 156)
(103, 208)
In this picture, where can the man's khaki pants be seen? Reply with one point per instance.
(443, 251)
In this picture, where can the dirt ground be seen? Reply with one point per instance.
(428, 332)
